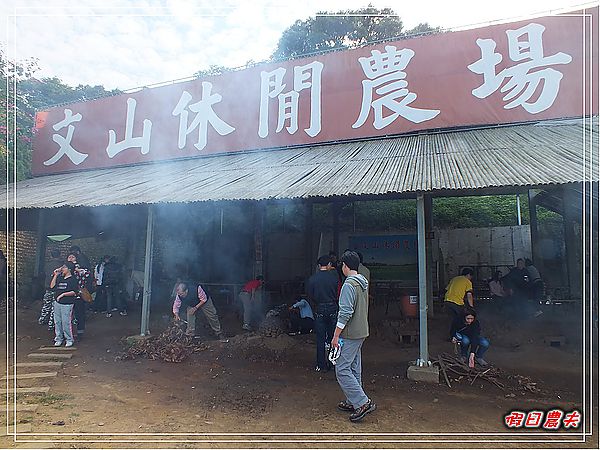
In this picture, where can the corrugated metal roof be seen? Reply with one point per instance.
(545, 153)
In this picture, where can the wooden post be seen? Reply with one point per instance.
(308, 237)
(144, 329)
(336, 209)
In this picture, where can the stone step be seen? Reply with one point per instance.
(50, 355)
(53, 364)
(30, 376)
(28, 407)
(63, 349)
(28, 390)
(21, 428)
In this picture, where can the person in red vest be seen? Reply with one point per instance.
(251, 301)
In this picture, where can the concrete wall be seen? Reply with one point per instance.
(497, 246)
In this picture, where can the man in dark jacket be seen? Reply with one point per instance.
(466, 330)
(321, 289)
(112, 280)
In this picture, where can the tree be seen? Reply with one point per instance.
(16, 120)
(344, 29)
(24, 96)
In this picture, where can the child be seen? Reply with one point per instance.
(466, 330)
(302, 320)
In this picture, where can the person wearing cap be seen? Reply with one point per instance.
(353, 327)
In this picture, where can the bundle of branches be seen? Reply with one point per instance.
(172, 345)
(453, 367)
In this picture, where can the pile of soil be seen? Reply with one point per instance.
(256, 348)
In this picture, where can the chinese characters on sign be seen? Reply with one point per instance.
(143, 141)
(204, 115)
(525, 48)
(506, 73)
(534, 419)
(64, 142)
(386, 77)
(272, 86)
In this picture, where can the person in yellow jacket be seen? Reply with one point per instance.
(459, 293)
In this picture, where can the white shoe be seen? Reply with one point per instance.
(57, 344)
(246, 327)
(69, 344)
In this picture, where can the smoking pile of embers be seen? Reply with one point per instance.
(452, 368)
(172, 345)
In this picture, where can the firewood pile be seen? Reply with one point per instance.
(453, 369)
(172, 345)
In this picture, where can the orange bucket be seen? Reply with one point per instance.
(409, 304)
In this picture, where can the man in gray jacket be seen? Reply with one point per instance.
(351, 330)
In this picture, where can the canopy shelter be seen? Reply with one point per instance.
(494, 159)
(491, 160)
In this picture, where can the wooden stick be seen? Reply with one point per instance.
(443, 367)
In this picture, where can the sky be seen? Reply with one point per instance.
(133, 43)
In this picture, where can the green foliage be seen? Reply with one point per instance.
(470, 212)
(380, 215)
(21, 95)
(212, 70)
(343, 29)
(448, 212)
(16, 120)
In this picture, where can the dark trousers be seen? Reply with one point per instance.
(325, 321)
(453, 310)
(114, 298)
(100, 299)
(79, 314)
(301, 324)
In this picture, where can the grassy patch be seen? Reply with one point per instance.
(52, 399)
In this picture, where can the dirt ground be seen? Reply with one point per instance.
(259, 391)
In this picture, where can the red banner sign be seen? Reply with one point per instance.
(524, 71)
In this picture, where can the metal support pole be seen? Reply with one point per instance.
(534, 231)
(571, 200)
(519, 221)
(429, 251)
(423, 341)
(148, 272)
